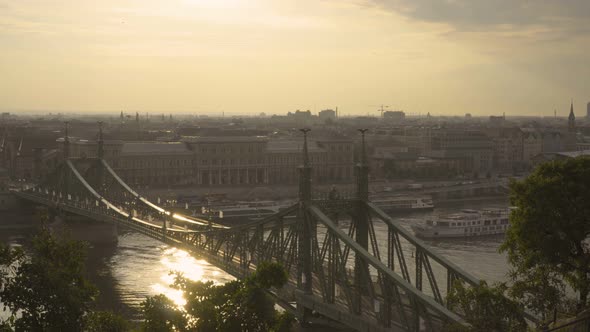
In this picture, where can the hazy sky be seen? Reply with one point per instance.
(274, 56)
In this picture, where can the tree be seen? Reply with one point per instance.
(48, 288)
(549, 228)
(485, 309)
(540, 290)
(104, 321)
(241, 305)
(45, 288)
(161, 314)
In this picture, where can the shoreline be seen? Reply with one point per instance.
(453, 201)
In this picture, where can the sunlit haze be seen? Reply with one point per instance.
(274, 56)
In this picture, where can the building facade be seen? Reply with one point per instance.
(221, 161)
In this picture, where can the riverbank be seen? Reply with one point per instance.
(462, 201)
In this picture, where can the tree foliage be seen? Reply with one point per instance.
(485, 309)
(547, 242)
(45, 288)
(105, 321)
(48, 288)
(540, 290)
(241, 305)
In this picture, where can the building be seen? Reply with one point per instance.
(432, 153)
(326, 115)
(238, 160)
(331, 160)
(404, 165)
(497, 120)
(394, 115)
(300, 115)
(472, 146)
(28, 152)
(219, 161)
(508, 149)
(553, 140)
(532, 145)
(154, 163)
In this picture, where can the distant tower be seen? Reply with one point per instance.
(588, 111)
(571, 120)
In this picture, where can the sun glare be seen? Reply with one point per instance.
(179, 261)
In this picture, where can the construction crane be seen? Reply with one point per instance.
(381, 108)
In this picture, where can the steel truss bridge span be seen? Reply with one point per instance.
(341, 270)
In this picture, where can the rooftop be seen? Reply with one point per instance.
(147, 148)
(224, 139)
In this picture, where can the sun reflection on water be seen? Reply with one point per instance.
(181, 262)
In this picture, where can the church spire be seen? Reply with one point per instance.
(571, 120)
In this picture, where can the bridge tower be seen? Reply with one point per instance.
(100, 143)
(66, 141)
(361, 219)
(100, 155)
(66, 184)
(305, 229)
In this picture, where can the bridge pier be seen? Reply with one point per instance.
(81, 227)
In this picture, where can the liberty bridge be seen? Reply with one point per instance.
(339, 274)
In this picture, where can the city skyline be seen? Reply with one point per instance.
(248, 57)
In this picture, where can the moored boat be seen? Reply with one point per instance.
(467, 223)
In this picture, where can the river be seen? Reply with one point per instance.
(136, 266)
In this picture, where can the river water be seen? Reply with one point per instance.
(136, 266)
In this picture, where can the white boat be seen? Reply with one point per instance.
(403, 203)
(467, 223)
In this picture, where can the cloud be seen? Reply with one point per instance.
(568, 16)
